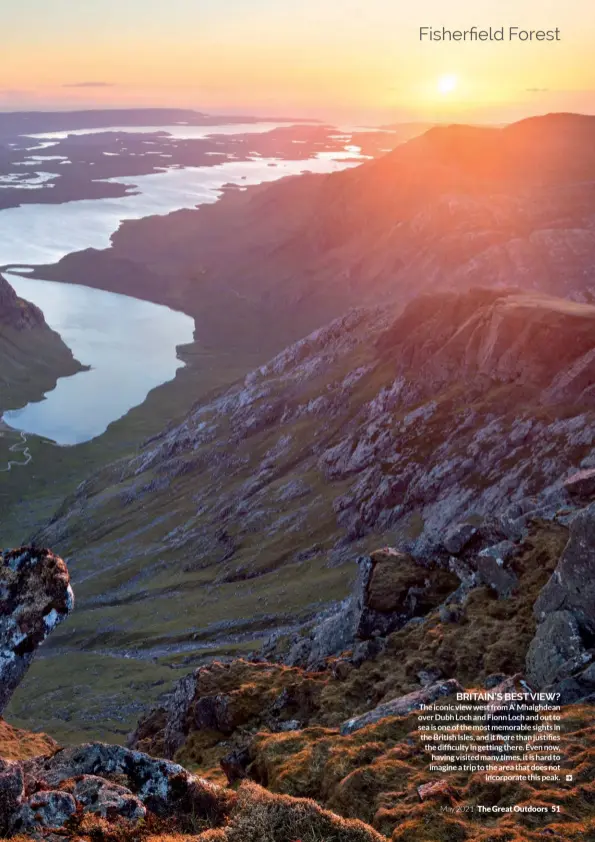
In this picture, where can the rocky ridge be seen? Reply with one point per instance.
(300, 765)
(454, 208)
(382, 427)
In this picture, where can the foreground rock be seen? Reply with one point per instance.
(391, 588)
(74, 793)
(403, 705)
(35, 597)
(47, 792)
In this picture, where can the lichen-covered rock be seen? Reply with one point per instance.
(35, 596)
(107, 799)
(163, 787)
(48, 809)
(556, 651)
(572, 584)
(12, 790)
(403, 705)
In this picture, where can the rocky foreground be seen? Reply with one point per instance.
(329, 751)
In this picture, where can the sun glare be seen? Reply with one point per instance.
(447, 83)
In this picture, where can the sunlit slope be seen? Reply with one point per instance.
(456, 207)
(247, 516)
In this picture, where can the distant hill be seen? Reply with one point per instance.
(33, 122)
(456, 207)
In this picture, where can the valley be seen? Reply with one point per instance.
(366, 482)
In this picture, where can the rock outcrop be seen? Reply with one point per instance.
(403, 705)
(78, 792)
(35, 597)
(561, 654)
(572, 584)
(393, 588)
(383, 427)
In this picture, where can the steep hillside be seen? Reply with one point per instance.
(245, 519)
(456, 207)
(32, 356)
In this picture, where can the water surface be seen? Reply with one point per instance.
(129, 344)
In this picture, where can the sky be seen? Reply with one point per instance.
(344, 60)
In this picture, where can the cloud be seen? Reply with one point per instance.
(89, 85)
(537, 90)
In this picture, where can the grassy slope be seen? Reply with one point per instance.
(155, 588)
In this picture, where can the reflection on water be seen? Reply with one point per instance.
(129, 344)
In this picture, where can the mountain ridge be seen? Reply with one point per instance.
(455, 207)
(383, 426)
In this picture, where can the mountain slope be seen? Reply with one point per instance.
(456, 207)
(245, 519)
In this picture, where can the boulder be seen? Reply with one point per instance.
(235, 765)
(492, 574)
(12, 790)
(107, 799)
(440, 791)
(35, 596)
(581, 484)
(572, 584)
(458, 537)
(165, 788)
(49, 809)
(556, 651)
(501, 552)
(392, 588)
(402, 705)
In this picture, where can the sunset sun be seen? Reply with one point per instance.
(447, 83)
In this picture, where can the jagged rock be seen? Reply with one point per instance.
(494, 680)
(163, 787)
(35, 596)
(502, 552)
(581, 484)
(49, 809)
(235, 765)
(213, 712)
(254, 695)
(572, 584)
(402, 705)
(428, 676)
(367, 650)
(577, 688)
(458, 537)
(12, 791)
(556, 651)
(491, 573)
(392, 588)
(107, 799)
